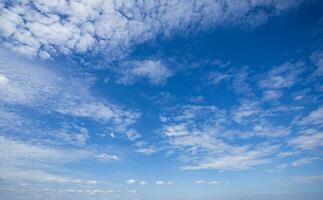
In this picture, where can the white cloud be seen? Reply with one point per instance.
(112, 135)
(74, 135)
(315, 117)
(176, 130)
(30, 175)
(147, 150)
(240, 161)
(211, 182)
(304, 161)
(91, 182)
(282, 76)
(165, 183)
(309, 141)
(152, 70)
(216, 78)
(308, 178)
(105, 156)
(272, 95)
(17, 153)
(160, 182)
(47, 28)
(24, 85)
(207, 144)
(82, 192)
(199, 181)
(285, 154)
(3, 81)
(18, 174)
(170, 183)
(131, 181)
(143, 183)
(317, 59)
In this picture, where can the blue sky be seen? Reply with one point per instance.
(165, 100)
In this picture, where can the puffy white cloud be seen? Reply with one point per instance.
(131, 181)
(160, 182)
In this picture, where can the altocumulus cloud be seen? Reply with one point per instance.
(48, 28)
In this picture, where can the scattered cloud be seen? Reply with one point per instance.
(56, 95)
(164, 183)
(147, 151)
(107, 157)
(153, 70)
(22, 154)
(213, 182)
(308, 178)
(143, 183)
(304, 161)
(216, 77)
(317, 59)
(285, 154)
(203, 143)
(282, 76)
(272, 95)
(131, 181)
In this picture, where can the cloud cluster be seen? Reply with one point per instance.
(244, 134)
(23, 86)
(37, 103)
(201, 134)
(46, 28)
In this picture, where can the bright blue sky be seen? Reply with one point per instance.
(165, 100)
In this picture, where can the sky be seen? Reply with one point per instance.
(163, 100)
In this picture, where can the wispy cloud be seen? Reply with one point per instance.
(310, 141)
